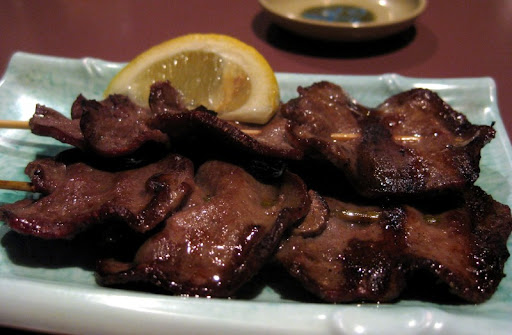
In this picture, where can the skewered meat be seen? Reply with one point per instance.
(111, 128)
(209, 234)
(368, 253)
(116, 126)
(229, 227)
(48, 122)
(273, 139)
(413, 143)
(76, 196)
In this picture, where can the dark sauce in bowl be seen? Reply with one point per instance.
(339, 13)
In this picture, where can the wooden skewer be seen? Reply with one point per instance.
(334, 136)
(352, 214)
(343, 136)
(16, 185)
(14, 124)
(344, 213)
(251, 131)
(25, 186)
(9, 184)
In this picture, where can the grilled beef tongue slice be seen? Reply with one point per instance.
(273, 139)
(49, 122)
(354, 258)
(370, 253)
(117, 127)
(229, 227)
(76, 196)
(412, 144)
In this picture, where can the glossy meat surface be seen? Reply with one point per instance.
(227, 230)
(49, 122)
(272, 139)
(117, 127)
(369, 253)
(355, 258)
(76, 196)
(413, 143)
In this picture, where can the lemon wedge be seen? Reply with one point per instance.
(217, 71)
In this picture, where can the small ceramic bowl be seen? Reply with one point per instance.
(344, 20)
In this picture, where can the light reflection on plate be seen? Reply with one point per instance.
(344, 20)
(63, 296)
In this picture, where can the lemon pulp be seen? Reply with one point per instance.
(216, 71)
(202, 77)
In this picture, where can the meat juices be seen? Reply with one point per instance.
(228, 228)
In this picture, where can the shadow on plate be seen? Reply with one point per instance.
(35, 252)
(108, 241)
(422, 286)
(291, 42)
(277, 279)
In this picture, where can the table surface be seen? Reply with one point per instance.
(456, 38)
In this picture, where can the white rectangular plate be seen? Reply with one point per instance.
(49, 289)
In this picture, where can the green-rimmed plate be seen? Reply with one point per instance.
(49, 288)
